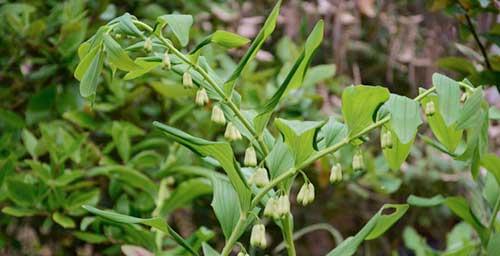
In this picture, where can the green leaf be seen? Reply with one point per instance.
(416, 242)
(280, 159)
(377, 225)
(180, 25)
(10, 120)
(224, 39)
(145, 66)
(85, 63)
(405, 117)
(494, 244)
(449, 93)
(318, 73)
(209, 251)
(460, 207)
(19, 212)
(224, 203)
(425, 202)
(63, 220)
(397, 154)
(458, 64)
(185, 193)
(128, 175)
(126, 25)
(21, 193)
(491, 162)
(332, 133)
(117, 56)
(294, 78)
(448, 136)
(88, 84)
(30, 142)
(299, 136)
(220, 151)
(158, 223)
(470, 114)
(90, 237)
(264, 33)
(385, 221)
(121, 139)
(359, 104)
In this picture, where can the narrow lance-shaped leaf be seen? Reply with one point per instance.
(158, 223)
(264, 33)
(294, 77)
(225, 205)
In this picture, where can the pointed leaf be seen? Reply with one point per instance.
(180, 25)
(397, 154)
(448, 92)
(225, 204)
(117, 56)
(359, 104)
(264, 33)
(405, 117)
(299, 136)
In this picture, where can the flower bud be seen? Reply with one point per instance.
(386, 140)
(464, 97)
(310, 193)
(259, 177)
(218, 115)
(201, 97)
(283, 206)
(166, 61)
(270, 208)
(118, 36)
(148, 45)
(336, 173)
(306, 194)
(242, 254)
(187, 80)
(357, 162)
(430, 109)
(258, 236)
(232, 132)
(250, 157)
(301, 196)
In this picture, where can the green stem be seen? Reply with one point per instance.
(292, 171)
(287, 230)
(228, 247)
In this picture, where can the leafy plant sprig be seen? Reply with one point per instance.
(300, 143)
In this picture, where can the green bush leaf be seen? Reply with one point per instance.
(63, 220)
(359, 104)
(299, 136)
(264, 33)
(117, 56)
(158, 223)
(449, 93)
(405, 117)
(185, 193)
(180, 25)
(222, 38)
(19, 212)
(220, 151)
(458, 64)
(90, 237)
(491, 162)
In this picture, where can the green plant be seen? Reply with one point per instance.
(240, 194)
